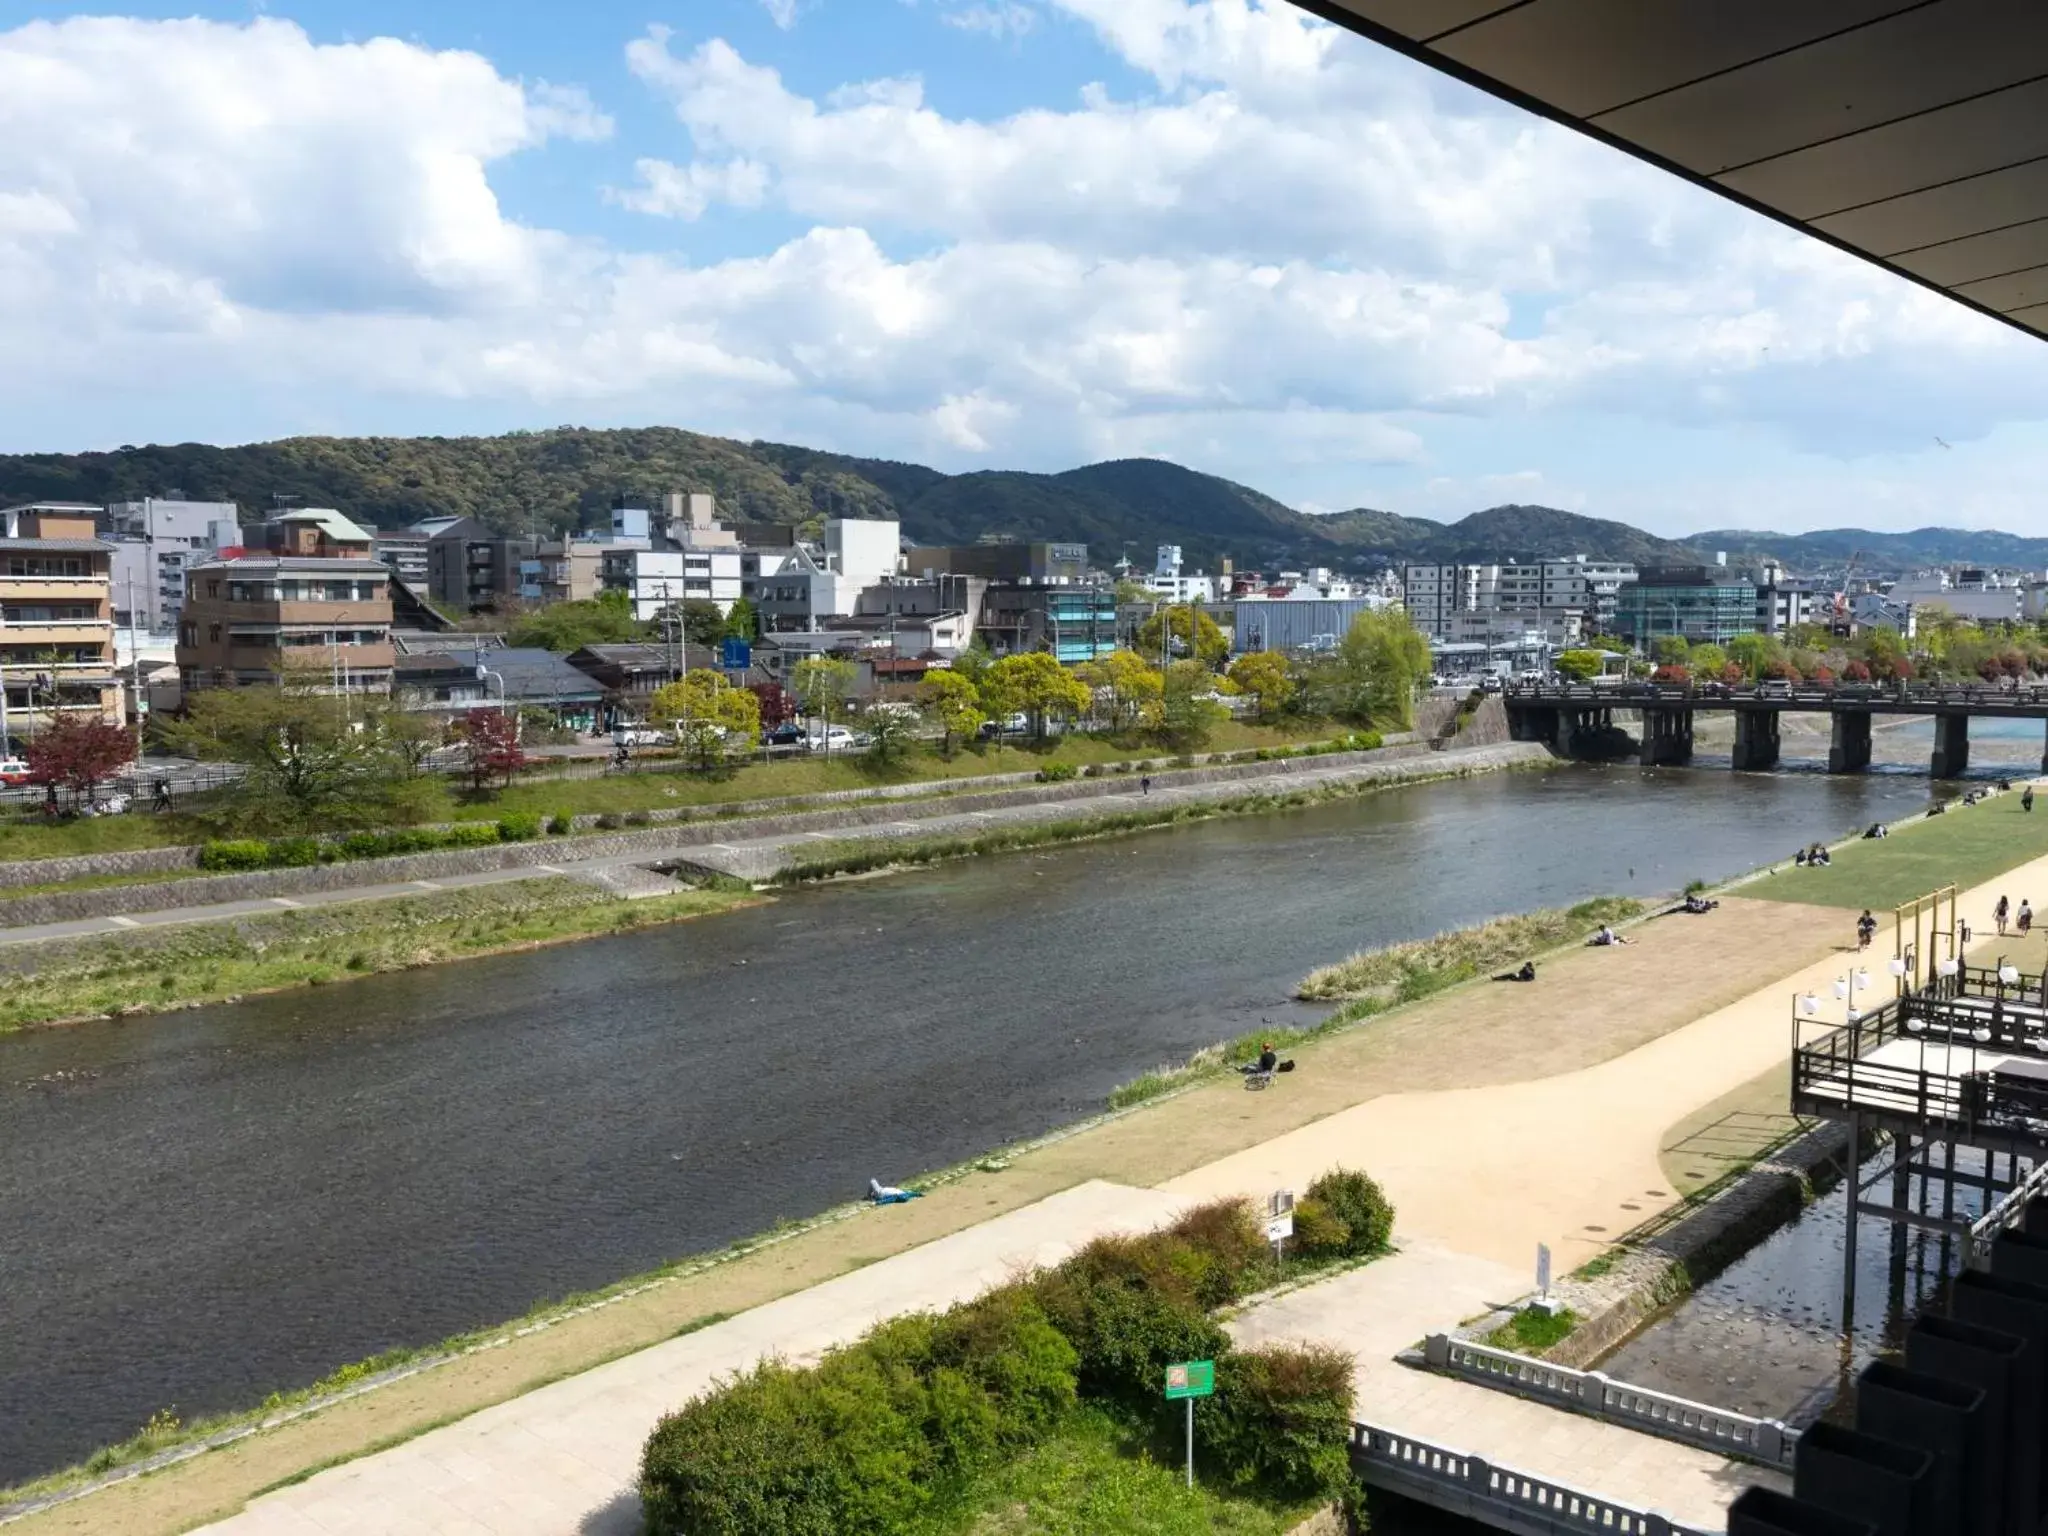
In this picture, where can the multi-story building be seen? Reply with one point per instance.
(154, 541)
(1297, 624)
(471, 566)
(1432, 593)
(794, 587)
(56, 618)
(563, 571)
(1542, 590)
(1968, 592)
(1074, 622)
(1704, 604)
(1784, 603)
(1041, 562)
(405, 551)
(320, 620)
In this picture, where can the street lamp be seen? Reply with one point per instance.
(1847, 987)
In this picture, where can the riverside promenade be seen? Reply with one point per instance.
(1496, 1117)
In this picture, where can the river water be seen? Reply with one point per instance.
(200, 1209)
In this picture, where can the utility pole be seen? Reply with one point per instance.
(6, 728)
(134, 672)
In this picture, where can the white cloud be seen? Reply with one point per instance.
(781, 12)
(1004, 20)
(1294, 261)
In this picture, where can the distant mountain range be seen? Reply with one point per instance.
(566, 478)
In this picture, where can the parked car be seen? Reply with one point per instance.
(13, 770)
(831, 738)
(642, 736)
(787, 734)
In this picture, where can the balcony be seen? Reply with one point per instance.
(341, 615)
(314, 660)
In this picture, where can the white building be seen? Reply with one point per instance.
(1436, 594)
(1968, 592)
(154, 540)
(797, 588)
(1168, 581)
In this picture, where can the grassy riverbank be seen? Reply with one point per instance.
(1966, 846)
(148, 971)
(859, 856)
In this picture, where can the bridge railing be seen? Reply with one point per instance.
(1662, 1414)
(1641, 690)
(1465, 1484)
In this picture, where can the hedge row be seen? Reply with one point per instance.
(886, 1431)
(231, 854)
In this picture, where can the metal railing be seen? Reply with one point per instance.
(2003, 1216)
(1470, 1485)
(1955, 1081)
(1700, 1425)
(1956, 696)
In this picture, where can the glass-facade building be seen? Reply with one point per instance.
(1706, 604)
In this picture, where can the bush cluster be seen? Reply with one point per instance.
(1055, 773)
(249, 853)
(886, 1429)
(1344, 1214)
(1354, 741)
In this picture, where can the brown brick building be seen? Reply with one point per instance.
(56, 618)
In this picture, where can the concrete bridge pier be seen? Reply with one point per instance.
(1667, 737)
(1849, 752)
(1951, 746)
(1756, 739)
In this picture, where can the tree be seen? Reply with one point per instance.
(1188, 710)
(309, 763)
(821, 685)
(974, 662)
(489, 742)
(1884, 651)
(1707, 660)
(1131, 593)
(1671, 650)
(1039, 686)
(713, 718)
(1267, 678)
(1187, 632)
(703, 624)
(1753, 653)
(953, 704)
(606, 619)
(75, 753)
(1132, 688)
(1373, 675)
(741, 622)
(1578, 665)
(891, 731)
(1672, 672)
(1856, 672)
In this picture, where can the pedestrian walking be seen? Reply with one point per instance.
(2026, 918)
(160, 795)
(1866, 929)
(1144, 783)
(2027, 798)
(2001, 915)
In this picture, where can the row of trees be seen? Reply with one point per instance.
(607, 619)
(1961, 652)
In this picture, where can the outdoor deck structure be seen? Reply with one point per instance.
(1565, 715)
(1956, 1058)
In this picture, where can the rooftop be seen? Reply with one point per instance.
(255, 565)
(329, 521)
(60, 546)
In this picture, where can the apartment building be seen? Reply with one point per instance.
(1704, 604)
(314, 608)
(155, 540)
(563, 571)
(471, 566)
(405, 551)
(56, 618)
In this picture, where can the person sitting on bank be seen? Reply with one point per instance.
(1605, 937)
(1526, 973)
(1694, 902)
(1800, 858)
(1267, 1064)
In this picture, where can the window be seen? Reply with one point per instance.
(213, 633)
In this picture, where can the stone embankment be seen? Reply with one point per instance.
(657, 844)
(654, 842)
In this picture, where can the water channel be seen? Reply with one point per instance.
(199, 1209)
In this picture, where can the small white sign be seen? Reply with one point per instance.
(1543, 1270)
(1279, 1228)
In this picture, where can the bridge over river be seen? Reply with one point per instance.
(1577, 719)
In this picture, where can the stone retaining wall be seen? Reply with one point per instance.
(135, 861)
(208, 890)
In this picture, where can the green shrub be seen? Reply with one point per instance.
(1055, 773)
(1130, 1307)
(519, 827)
(1281, 1420)
(229, 854)
(294, 852)
(468, 834)
(1319, 1232)
(561, 824)
(1354, 1199)
(1229, 1244)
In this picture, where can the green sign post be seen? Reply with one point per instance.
(1189, 1380)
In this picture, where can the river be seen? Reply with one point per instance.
(202, 1208)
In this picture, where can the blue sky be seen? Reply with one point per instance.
(973, 233)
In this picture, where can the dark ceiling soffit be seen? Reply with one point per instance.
(1386, 37)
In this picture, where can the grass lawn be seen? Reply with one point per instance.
(1966, 847)
(151, 969)
(1098, 1479)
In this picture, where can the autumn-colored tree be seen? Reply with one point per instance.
(1183, 631)
(713, 718)
(1126, 688)
(1672, 672)
(1856, 672)
(76, 753)
(489, 742)
(1034, 683)
(1267, 678)
(951, 702)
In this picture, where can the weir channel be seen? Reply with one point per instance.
(202, 1208)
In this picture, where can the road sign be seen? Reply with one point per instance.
(735, 655)
(1279, 1228)
(1194, 1378)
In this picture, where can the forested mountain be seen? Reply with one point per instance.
(566, 478)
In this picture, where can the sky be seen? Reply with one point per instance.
(975, 234)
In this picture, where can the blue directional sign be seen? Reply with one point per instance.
(735, 655)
